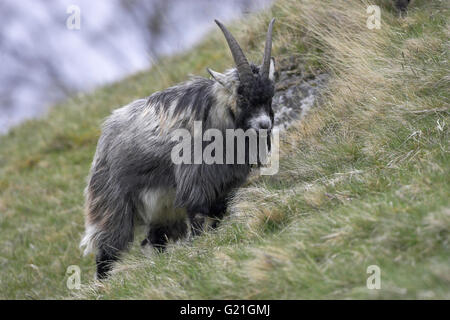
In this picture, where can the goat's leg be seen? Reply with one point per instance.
(203, 191)
(202, 220)
(159, 234)
(217, 211)
(116, 235)
(105, 259)
(197, 221)
(199, 217)
(109, 252)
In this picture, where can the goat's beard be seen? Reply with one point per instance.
(259, 164)
(249, 157)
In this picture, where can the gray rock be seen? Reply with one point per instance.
(296, 92)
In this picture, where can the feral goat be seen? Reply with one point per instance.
(132, 178)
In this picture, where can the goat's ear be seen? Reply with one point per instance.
(272, 69)
(217, 76)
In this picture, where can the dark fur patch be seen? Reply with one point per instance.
(402, 5)
(158, 235)
(197, 95)
(159, 100)
(253, 97)
(104, 261)
(257, 93)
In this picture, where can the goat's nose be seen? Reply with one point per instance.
(264, 124)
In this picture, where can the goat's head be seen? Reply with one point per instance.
(251, 85)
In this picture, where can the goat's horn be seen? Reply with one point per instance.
(267, 52)
(243, 67)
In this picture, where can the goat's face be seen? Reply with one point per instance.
(251, 86)
(254, 102)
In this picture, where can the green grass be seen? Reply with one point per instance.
(364, 178)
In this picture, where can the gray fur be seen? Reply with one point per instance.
(133, 179)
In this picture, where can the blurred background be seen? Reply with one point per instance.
(50, 49)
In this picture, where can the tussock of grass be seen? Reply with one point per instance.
(363, 179)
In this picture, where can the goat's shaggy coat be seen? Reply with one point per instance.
(133, 179)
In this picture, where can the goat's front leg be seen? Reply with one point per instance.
(159, 234)
(217, 211)
(207, 217)
(203, 190)
(198, 219)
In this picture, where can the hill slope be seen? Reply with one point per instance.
(364, 177)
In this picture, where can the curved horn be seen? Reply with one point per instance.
(243, 67)
(264, 72)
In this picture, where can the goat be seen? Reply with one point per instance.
(132, 178)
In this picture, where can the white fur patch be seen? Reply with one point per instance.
(89, 239)
(260, 120)
(157, 206)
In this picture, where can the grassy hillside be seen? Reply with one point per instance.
(364, 178)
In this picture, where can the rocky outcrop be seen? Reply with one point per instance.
(296, 92)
